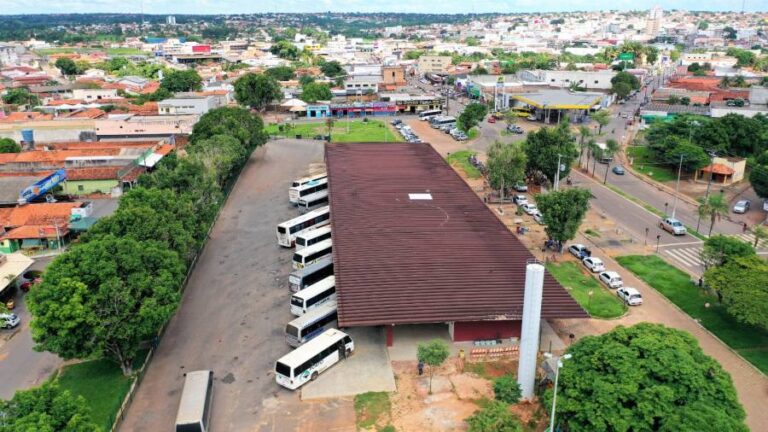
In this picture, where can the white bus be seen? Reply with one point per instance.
(311, 324)
(312, 254)
(288, 230)
(309, 360)
(298, 192)
(313, 200)
(305, 180)
(311, 237)
(428, 114)
(311, 274)
(195, 407)
(313, 296)
(438, 121)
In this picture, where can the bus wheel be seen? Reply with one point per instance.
(314, 376)
(349, 352)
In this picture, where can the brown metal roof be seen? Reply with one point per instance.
(403, 261)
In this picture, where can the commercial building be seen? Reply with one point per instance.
(413, 244)
(551, 105)
(433, 64)
(185, 105)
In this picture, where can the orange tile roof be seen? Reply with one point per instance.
(7, 157)
(164, 149)
(86, 145)
(151, 87)
(62, 155)
(90, 113)
(65, 102)
(21, 116)
(97, 173)
(718, 169)
(38, 214)
(35, 232)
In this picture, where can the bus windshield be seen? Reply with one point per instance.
(291, 330)
(297, 301)
(282, 369)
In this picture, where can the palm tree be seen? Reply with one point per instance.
(725, 82)
(611, 148)
(739, 81)
(595, 151)
(602, 118)
(713, 207)
(584, 133)
(761, 233)
(329, 123)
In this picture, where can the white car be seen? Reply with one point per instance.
(578, 249)
(611, 279)
(520, 199)
(630, 296)
(529, 208)
(593, 264)
(9, 320)
(538, 217)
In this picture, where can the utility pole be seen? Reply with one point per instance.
(557, 173)
(677, 186)
(709, 184)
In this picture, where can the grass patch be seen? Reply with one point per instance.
(751, 342)
(461, 159)
(602, 304)
(644, 162)
(102, 384)
(370, 407)
(473, 133)
(592, 233)
(387, 428)
(342, 131)
(492, 369)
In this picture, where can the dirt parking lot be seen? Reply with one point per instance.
(233, 313)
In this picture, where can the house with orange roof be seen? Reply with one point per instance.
(36, 226)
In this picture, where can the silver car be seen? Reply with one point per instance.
(741, 206)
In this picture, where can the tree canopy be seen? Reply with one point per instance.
(645, 378)
(720, 249)
(45, 409)
(433, 353)
(8, 145)
(743, 284)
(236, 122)
(506, 164)
(623, 83)
(285, 50)
(67, 66)
(494, 417)
(105, 297)
(542, 148)
(257, 90)
(473, 114)
(563, 212)
(332, 69)
(182, 81)
(20, 96)
(315, 91)
(281, 73)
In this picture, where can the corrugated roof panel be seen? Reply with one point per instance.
(401, 261)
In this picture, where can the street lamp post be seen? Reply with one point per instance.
(658, 239)
(666, 204)
(558, 365)
(712, 155)
(677, 186)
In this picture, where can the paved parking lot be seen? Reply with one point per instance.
(234, 311)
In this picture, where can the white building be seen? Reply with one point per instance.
(183, 105)
(91, 95)
(595, 80)
(8, 55)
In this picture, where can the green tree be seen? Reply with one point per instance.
(494, 417)
(673, 99)
(506, 389)
(761, 234)
(720, 249)
(306, 79)
(542, 148)
(602, 118)
(694, 157)
(621, 90)
(67, 66)
(563, 212)
(758, 178)
(433, 354)
(743, 284)
(8, 145)
(473, 114)
(222, 155)
(285, 50)
(472, 41)
(182, 81)
(703, 25)
(584, 135)
(46, 409)
(237, 122)
(257, 91)
(627, 78)
(506, 164)
(645, 378)
(281, 73)
(20, 96)
(611, 149)
(714, 207)
(315, 91)
(105, 297)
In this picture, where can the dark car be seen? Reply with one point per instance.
(618, 170)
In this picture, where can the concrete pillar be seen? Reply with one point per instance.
(529, 337)
(390, 335)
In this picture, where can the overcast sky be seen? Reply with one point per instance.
(423, 6)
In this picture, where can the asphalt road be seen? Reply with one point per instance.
(234, 310)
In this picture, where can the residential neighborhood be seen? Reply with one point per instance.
(383, 217)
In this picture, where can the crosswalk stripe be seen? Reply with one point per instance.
(688, 256)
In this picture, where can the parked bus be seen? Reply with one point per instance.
(312, 254)
(288, 230)
(305, 180)
(299, 192)
(195, 406)
(442, 121)
(313, 200)
(311, 324)
(311, 274)
(312, 237)
(602, 155)
(306, 362)
(428, 114)
(313, 296)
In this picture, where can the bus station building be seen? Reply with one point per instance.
(413, 244)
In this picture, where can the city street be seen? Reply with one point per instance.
(234, 311)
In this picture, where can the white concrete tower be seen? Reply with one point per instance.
(529, 337)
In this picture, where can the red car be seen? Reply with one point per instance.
(491, 119)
